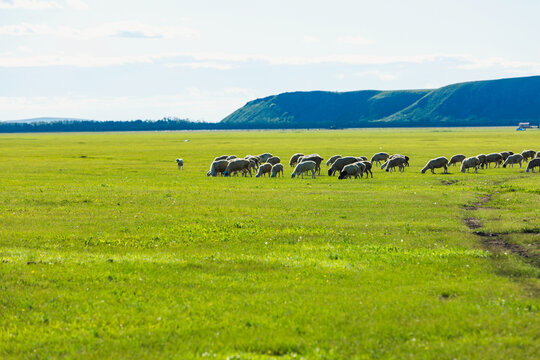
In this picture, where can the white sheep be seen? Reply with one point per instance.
(350, 170)
(456, 159)
(513, 159)
(236, 165)
(399, 161)
(217, 167)
(494, 158)
(264, 169)
(313, 157)
(273, 160)
(340, 163)
(294, 159)
(471, 162)
(264, 157)
(440, 162)
(378, 157)
(277, 169)
(180, 163)
(303, 167)
(333, 159)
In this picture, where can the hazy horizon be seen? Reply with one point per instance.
(202, 60)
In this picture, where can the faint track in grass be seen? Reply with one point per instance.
(497, 242)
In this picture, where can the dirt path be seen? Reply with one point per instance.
(495, 242)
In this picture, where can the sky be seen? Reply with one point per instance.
(127, 60)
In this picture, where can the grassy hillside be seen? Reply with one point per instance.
(323, 109)
(108, 251)
(493, 103)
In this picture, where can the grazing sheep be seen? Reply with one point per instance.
(482, 160)
(264, 157)
(532, 164)
(513, 159)
(440, 162)
(236, 165)
(180, 163)
(406, 163)
(506, 154)
(273, 160)
(456, 159)
(367, 169)
(313, 157)
(378, 157)
(255, 159)
(340, 163)
(472, 162)
(222, 157)
(528, 154)
(264, 169)
(218, 167)
(333, 159)
(494, 158)
(277, 169)
(354, 169)
(252, 164)
(294, 159)
(306, 166)
(398, 161)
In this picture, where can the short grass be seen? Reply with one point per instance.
(108, 251)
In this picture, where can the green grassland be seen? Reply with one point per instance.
(107, 250)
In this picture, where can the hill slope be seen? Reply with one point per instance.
(479, 103)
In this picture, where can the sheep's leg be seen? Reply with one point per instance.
(313, 174)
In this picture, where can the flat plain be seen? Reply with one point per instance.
(107, 250)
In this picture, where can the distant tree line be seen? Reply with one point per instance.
(91, 125)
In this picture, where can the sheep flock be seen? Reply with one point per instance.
(357, 166)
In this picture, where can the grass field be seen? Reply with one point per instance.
(108, 251)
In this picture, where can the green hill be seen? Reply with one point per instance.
(479, 103)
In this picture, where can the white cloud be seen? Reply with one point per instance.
(383, 76)
(113, 29)
(203, 65)
(307, 39)
(225, 61)
(29, 4)
(354, 40)
(77, 4)
(193, 103)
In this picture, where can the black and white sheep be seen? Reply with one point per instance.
(397, 161)
(437, 163)
(180, 163)
(513, 159)
(533, 164)
(367, 170)
(528, 154)
(304, 167)
(277, 170)
(458, 158)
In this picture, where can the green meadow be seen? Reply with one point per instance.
(108, 251)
